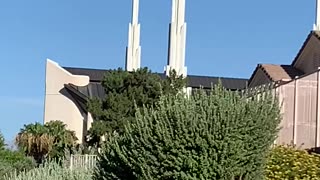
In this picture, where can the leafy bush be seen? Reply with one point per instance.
(14, 161)
(124, 90)
(2, 143)
(49, 140)
(220, 136)
(287, 162)
(53, 171)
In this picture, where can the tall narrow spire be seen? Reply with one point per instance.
(133, 56)
(316, 26)
(177, 39)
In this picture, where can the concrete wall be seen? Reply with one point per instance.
(59, 105)
(300, 111)
(309, 59)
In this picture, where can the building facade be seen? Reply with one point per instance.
(297, 85)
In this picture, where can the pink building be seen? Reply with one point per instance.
(298, 88)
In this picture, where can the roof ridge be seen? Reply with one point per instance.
(266, 72)
(312, 33)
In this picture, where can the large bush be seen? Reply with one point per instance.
(123, 91)
(14, 161)
(288, 162)
(220, 136)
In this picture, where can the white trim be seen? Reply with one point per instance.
(65, 71)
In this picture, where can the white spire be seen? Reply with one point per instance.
(316, 26)
(177, 39)
(133, 56)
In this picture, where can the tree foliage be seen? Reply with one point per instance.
(218, 136)
(63, 139)
(49, 140)
(35, 141)
(125, 90)
(2, 142)
(14, 162)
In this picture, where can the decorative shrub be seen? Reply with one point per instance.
(220, 136)
(123, 91)
(287, 162)
(53, 171)
(14, 161)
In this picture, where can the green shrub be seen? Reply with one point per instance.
(2, 143)
(287, 162)
(124, 90)
(220, 136)
(53, 171)
(14, 161)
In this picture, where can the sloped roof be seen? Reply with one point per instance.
(96, 75)
(207, 82)
(312, 33)
(95, 89)
(277, 72)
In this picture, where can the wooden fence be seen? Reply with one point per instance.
(83, 161)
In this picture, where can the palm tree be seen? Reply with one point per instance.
(49, 140)
(64, 139)
(35, 141)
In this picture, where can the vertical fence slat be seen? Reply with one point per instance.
(83, 161)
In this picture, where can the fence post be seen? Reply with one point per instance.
(86, 163)
(295, 118)
(318, 109)
(71, 161)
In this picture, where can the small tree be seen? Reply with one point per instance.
(35, 141)
(41, 141)
(220, 136)
(124, 90)
(63, 139)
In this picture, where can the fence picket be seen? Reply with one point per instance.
(83, 161)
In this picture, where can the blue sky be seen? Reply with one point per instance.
(224, 38)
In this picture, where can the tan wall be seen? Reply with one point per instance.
(58, 103)
(309, 59)
(259, 78)
(300, 106)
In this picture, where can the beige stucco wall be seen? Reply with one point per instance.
(259, 78)
(58, 103)
(309, 59)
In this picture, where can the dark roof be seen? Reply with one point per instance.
(95, 89)
(208, 82)
(92, 90)
(312, 33)
(277, 72)
(290, 71)
(96, 75)
(82, 94)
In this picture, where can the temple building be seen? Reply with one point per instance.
(297, 84)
